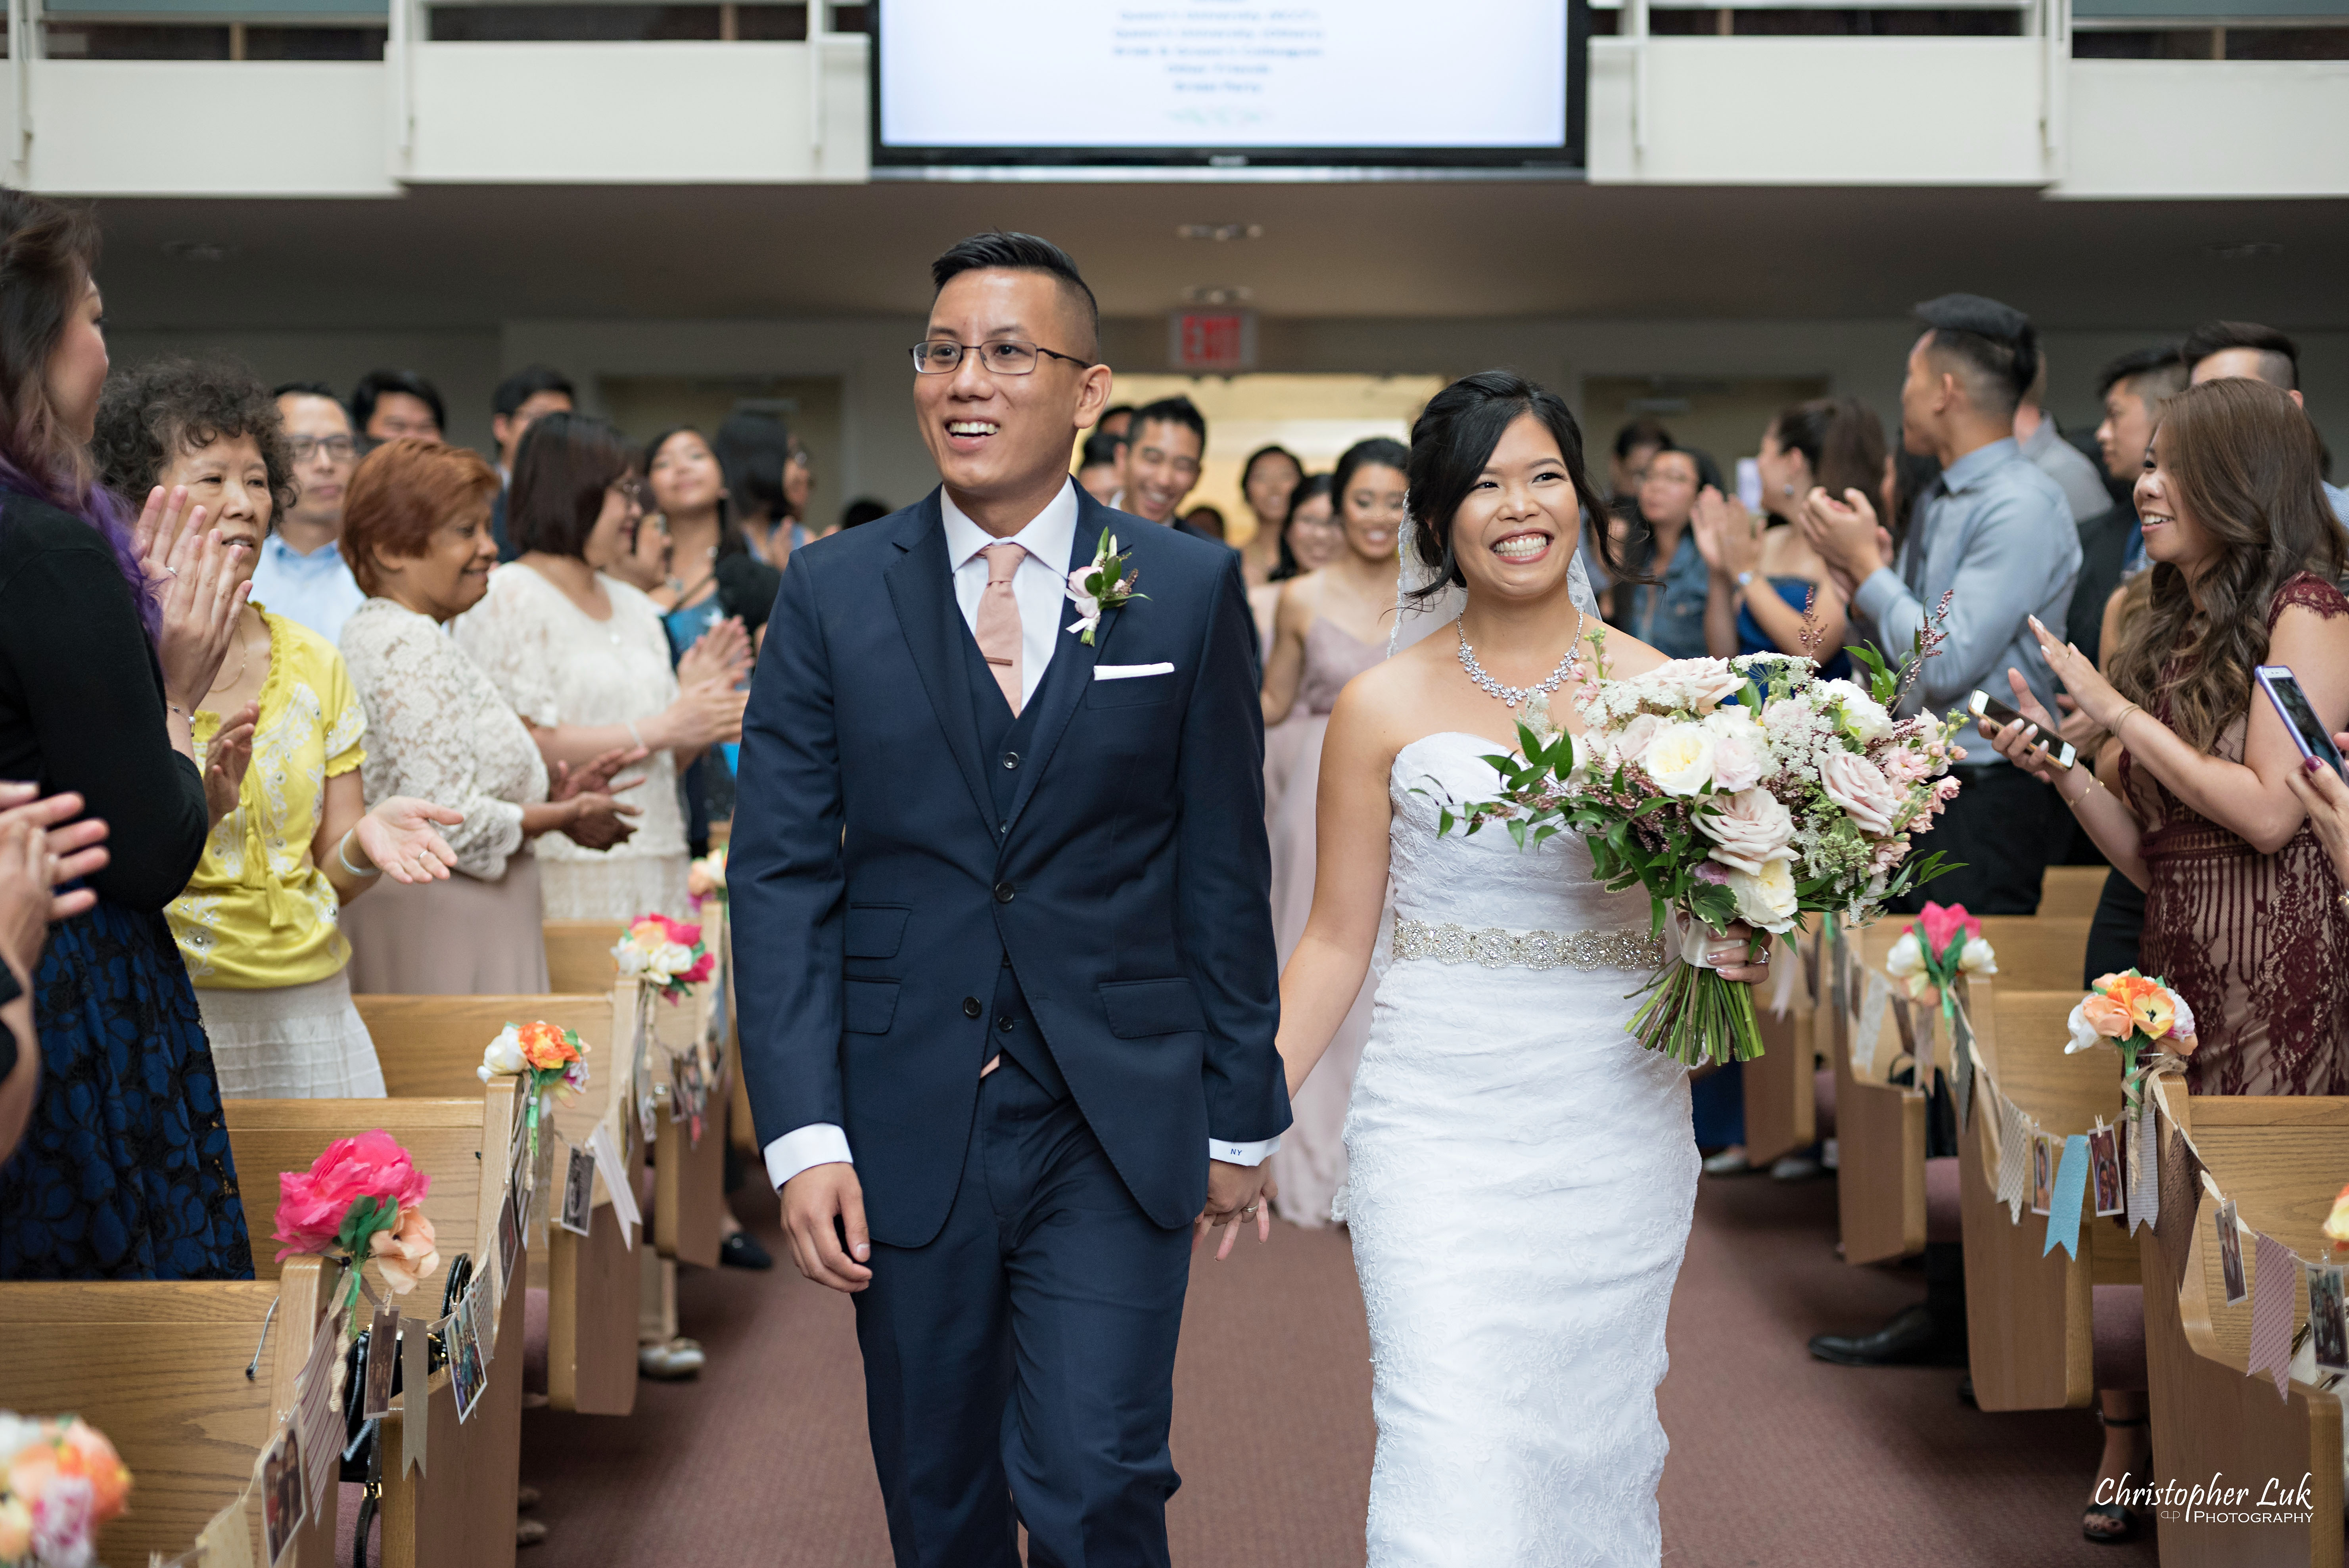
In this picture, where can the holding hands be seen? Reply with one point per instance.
(1236, 1195)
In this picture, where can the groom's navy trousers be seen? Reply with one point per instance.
(920, 883)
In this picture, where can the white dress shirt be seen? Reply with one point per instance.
(1040, 584)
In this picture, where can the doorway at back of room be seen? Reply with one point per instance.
(1315, 416)
(642, 405)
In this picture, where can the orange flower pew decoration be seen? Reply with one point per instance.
(553, 1059)
(59, 1480)
(2134, 1015)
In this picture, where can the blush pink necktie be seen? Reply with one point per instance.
(997, 628)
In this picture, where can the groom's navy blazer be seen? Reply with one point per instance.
(878, 888)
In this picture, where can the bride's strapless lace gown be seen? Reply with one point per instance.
(1522, 1179)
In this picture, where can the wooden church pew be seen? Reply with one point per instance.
(431, 1045)
(1879, 1124)
(2038, 951)
(579, 954)
(160, 1368)
(2071, 893)
(460, 1510)
(689, 1176)
(1781, 1092)
(2030, 1313)
(2281, 1160)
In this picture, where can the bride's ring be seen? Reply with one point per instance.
(1248, 1212)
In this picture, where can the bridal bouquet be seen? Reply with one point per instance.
(2133, 1015)
(1941, 944)
(362, 1199)
(664, 953)
(1744, 788)
(553, 1061)
(59, 1480)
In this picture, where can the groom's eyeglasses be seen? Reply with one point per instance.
(1003, 357)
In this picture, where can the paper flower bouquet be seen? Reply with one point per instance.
(59, 1480)
(1732, 790)
(361, 1200)
(706, 878)
(553, 1061)
(664, 953)
(1940, 945)
(2134, 1015)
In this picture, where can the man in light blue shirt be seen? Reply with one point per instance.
(1994, 535)
(2216, 350)
(302, 574)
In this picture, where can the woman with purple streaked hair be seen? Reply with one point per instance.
(110, 635)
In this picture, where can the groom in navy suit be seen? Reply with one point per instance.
(1003, 948)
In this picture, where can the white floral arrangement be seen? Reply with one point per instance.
(1733, 790)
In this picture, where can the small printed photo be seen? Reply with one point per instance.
(382, 1362)
(578, 1191)
(2328, 1316)
(2043, 1172)
(465, 1369)
(2230, 1255)
(2105, 1166)
(283, 1498)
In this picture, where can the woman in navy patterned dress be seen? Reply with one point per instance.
(125, 1171)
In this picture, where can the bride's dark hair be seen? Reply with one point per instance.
(1452, 442)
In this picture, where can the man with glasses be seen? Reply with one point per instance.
(1163, 453)
(302, 574)
(1004, 954)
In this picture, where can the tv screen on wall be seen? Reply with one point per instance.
(1492, 84)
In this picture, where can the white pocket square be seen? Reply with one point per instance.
(1127, 672)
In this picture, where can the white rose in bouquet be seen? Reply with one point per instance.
(1860, 787)
(1766, 900)
(1864, 719)
(1629, 744)
(1749, 829)
(672, 959)
(1702, 682)
(1740, 748)
(1680, 759)
(631, 959)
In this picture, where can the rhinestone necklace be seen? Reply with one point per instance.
(1509, 694)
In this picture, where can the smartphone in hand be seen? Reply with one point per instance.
(2299, 716)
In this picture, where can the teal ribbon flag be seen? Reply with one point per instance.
(2063, 1203)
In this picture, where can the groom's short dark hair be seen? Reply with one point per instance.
(997, 251)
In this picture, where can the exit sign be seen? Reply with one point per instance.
(1211, 340)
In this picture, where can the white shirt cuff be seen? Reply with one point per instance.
(817, 1143)
(1242, 1153)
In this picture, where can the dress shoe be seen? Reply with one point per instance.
(742, 1251)
(1909, 1339)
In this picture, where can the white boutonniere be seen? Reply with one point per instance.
(1103, 585)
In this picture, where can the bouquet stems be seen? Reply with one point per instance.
(1696, 1016)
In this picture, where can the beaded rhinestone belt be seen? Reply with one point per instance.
(1625, 948)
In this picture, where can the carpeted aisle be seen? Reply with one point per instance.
(1776, 1460)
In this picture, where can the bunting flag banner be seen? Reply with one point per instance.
(227, 1541)
(2145, 1182)
(2275, 1290)
(1875, 998)
(2063, 1204)
(2013, 1159)
(1962, 1065)
(415, 1376)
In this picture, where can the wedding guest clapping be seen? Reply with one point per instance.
(2200, 802)
(585, 660)
(259, 923)
(42, 847)
(418, 533)
(109, 636)
(1668, 612)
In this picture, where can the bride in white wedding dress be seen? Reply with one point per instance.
(1523, 1172)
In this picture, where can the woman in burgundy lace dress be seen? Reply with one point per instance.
(2193, 795)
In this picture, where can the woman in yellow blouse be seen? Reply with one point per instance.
(258, 925)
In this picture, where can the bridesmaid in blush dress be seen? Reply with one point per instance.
(1310, 539)
(1330, 626)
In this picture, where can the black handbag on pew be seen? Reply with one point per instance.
(362, 1460)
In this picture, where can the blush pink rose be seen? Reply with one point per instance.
(1905, 765)
(1860, 787)
(1736, 762)
(406, 1253)
(1748, 831)
(1632, 744)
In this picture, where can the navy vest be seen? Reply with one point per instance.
(1003, 747)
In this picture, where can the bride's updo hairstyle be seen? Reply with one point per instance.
(1450, 445)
